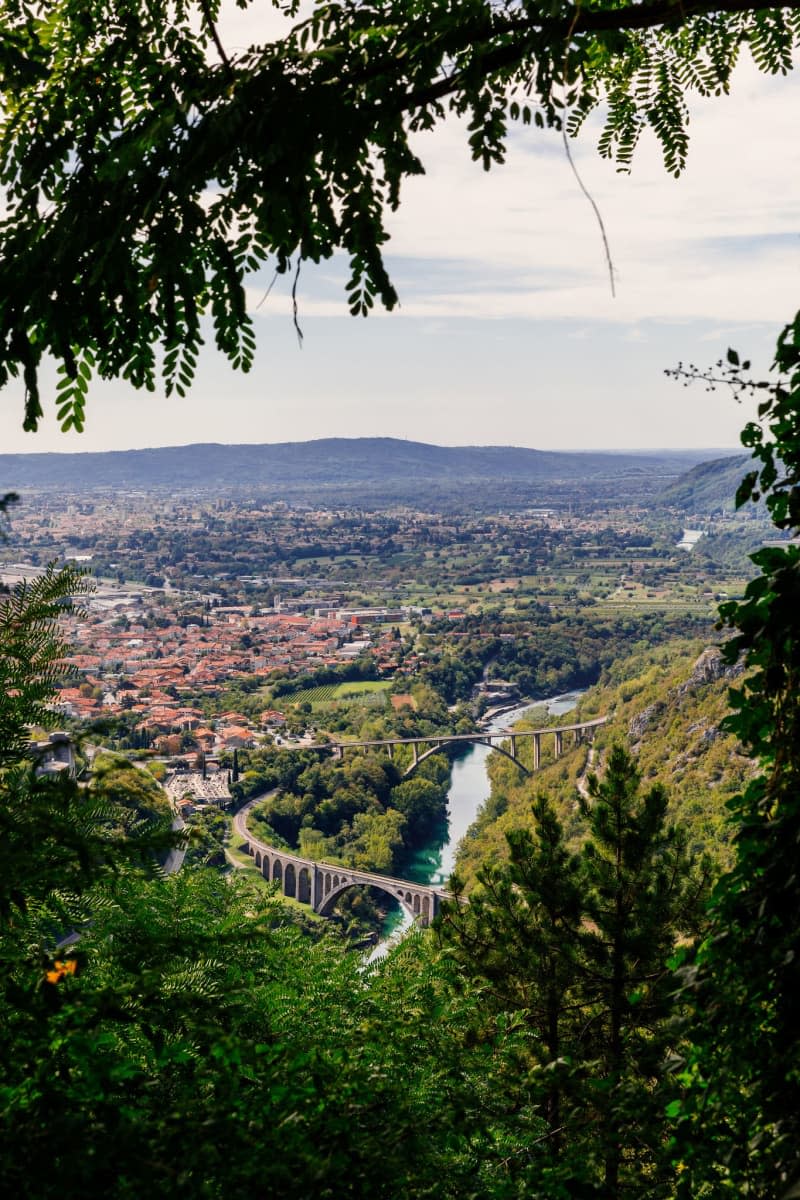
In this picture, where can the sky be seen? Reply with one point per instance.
(507, 333)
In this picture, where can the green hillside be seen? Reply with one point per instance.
(666, 705)
(707, 488)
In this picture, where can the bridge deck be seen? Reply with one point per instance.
(366, 877)
(478, 735)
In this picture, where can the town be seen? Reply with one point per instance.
(208, 613)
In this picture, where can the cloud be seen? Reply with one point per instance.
(720, 243)
(506, 330)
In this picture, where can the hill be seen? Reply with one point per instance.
(666, 705)
(329, 464)
(707, 487)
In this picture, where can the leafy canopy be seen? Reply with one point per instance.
(147, 171)
(738, 1125)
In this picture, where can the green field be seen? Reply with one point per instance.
(360, 691)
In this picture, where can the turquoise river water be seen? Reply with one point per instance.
(469, 788)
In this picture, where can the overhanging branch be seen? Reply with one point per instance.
(578, 20)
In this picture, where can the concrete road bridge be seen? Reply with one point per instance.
(320, 884)
(504, 741)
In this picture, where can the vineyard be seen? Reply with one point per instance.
(372, 692)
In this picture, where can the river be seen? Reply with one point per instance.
(469, 788)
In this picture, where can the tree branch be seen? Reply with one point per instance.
(578, 20)
(212, 29)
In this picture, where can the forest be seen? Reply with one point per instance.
(542, 651)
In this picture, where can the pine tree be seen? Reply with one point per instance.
(519, 936)
(643, 890)
(578, 947)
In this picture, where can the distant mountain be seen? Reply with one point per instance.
(707, 487)
(292, 467)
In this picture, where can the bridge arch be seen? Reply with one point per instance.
(320, 884)
(476, 741)
(328, 904)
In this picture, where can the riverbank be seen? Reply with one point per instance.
(469, 789)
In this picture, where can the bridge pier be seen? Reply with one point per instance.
(317, 889)
(504, 742)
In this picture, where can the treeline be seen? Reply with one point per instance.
(542, 654)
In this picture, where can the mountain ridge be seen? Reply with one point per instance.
(325, 462)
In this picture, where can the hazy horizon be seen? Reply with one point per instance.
(627, 450)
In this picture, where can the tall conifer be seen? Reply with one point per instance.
(643, 890)
(578, 946)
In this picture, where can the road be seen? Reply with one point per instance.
(174, 860)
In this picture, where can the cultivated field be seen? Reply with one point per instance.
(359, 692)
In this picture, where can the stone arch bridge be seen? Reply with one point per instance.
(320, 884)
(504, 741)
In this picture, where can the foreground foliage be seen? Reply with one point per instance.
(740, 1125)
(578, 946)
(203, 1045)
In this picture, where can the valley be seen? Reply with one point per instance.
(226, 634)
